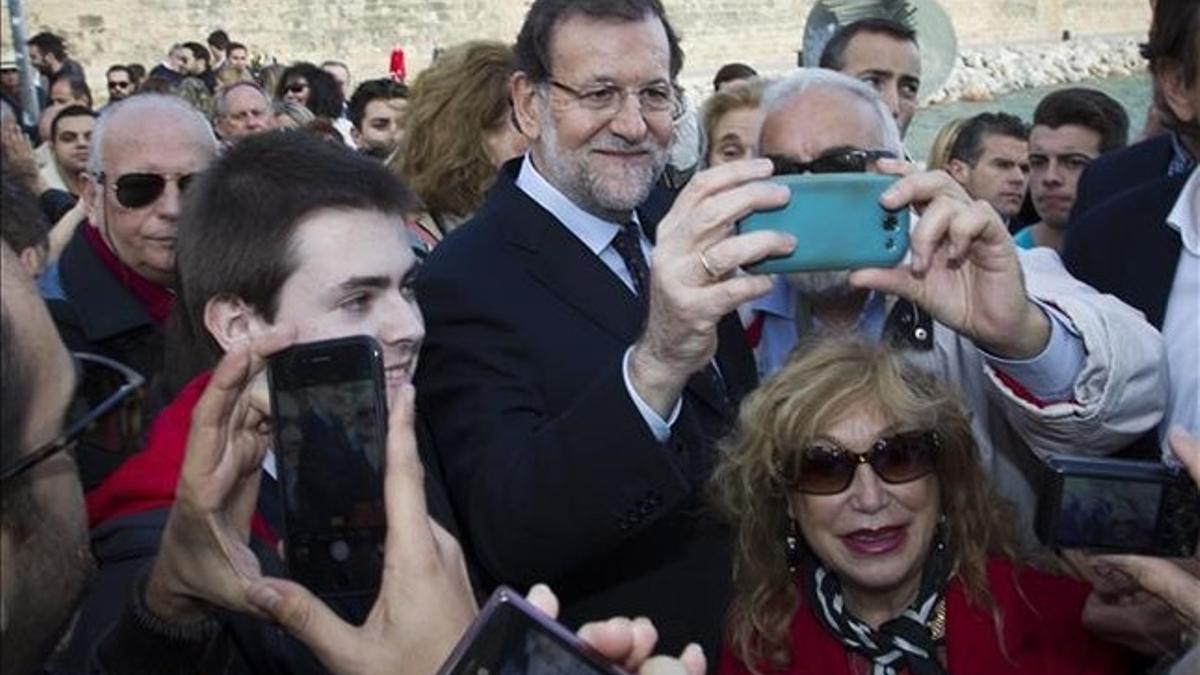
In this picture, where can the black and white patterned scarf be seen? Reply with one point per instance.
(906, 640)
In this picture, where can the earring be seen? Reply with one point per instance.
(791, 540)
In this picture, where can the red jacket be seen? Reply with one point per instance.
(147, 480)
(1043, 633)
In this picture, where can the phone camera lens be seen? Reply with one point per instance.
(891, 223)
(889, 244)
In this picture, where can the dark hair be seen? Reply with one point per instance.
(219, 39)
(22, 223)
(372, 90)
(323, 97)
(532, 50)
(968, 147)
(833, 56)
(733, 71)
(238, 220)
(49, 43)
(156, 84)
(79, 86)
(235, 45)
(137, 71)
(1087, 108)
(119, 67)
(1175, 38)
(199, 52)
(70, 111)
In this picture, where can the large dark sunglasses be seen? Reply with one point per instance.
(851, 160)
(297, 87)
(826, 468)
(135, 190)
(105, 413)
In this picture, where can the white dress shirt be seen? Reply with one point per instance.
(1181, 325)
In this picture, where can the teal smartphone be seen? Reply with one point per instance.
(837, 221)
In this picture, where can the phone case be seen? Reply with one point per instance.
(837, 221)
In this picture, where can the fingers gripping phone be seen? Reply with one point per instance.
(837, 221)
(512, 637)
(1118, 505)
(329, 410)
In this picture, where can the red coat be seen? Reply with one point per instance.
(1042, 633)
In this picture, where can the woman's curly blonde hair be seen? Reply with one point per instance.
(451, 106)
(827, 379)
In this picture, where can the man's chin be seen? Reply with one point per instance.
(821, 286)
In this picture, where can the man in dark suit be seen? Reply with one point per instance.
(1173, 50)
(574, 397)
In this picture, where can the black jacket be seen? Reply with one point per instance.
(553, 472)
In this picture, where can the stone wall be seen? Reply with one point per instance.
(764, 33)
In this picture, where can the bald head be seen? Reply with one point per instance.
(814, 110)
(131, 118)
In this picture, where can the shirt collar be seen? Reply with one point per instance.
(595, 233)
(1181, 158)
(1185, 216)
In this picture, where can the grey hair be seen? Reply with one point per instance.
(173, 108)
(802, 80)
(339, 64)
(221, 103)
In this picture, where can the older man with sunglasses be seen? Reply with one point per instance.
(1041, 360)
(117, 272)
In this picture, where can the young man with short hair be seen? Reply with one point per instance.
(376, 111)
(884, 54)
(990, 159)
(238, 55)
(70, 141)
(1071, 127)
(120, 83)
(70, 89)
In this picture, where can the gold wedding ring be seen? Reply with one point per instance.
(708, 267)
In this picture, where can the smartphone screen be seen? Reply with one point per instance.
(1104, 513)
(510, 637)
(329, 415)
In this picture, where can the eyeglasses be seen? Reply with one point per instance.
(608, 99)
(850, 160)
(119, 85)
(135, 190)
(297, 87)
(826, 468)
(107, 403)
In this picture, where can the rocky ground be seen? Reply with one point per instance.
(982, 74)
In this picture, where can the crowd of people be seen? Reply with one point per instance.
(585, 388)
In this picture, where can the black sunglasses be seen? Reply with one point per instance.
(135, 190)
(297, 87)
(826, 468)
(851, 160)
(113, 384)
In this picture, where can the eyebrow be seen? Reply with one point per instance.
(358, 283)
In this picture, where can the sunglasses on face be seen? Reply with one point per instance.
(105, 414)
(118, 85)
(135, 190)
(850, 160)
(825, 468)
(297, 87)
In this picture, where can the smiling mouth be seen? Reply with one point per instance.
(872, 542)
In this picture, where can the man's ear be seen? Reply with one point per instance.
(231, 322)
(959, 170)
(1177, 94)
(93, 197)
(523, 93)
(33, 259)
(356, 136)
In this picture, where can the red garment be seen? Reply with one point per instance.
(147, 480)
(157, 300)
(1043, 633)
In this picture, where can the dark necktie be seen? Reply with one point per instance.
(628, 244)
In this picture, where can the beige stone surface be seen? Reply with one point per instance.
(764, 33)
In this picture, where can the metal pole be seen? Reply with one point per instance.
(29, 98)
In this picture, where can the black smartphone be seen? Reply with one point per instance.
(512, 637)
(329, 414)
(1117, 505)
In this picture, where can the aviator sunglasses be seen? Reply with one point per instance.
(845, 160)
(135, 190)
(826, 468)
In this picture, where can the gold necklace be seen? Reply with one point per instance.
(937, 623)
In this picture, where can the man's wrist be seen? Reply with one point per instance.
(1029, 338)
(656, 383)
(165, 601)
